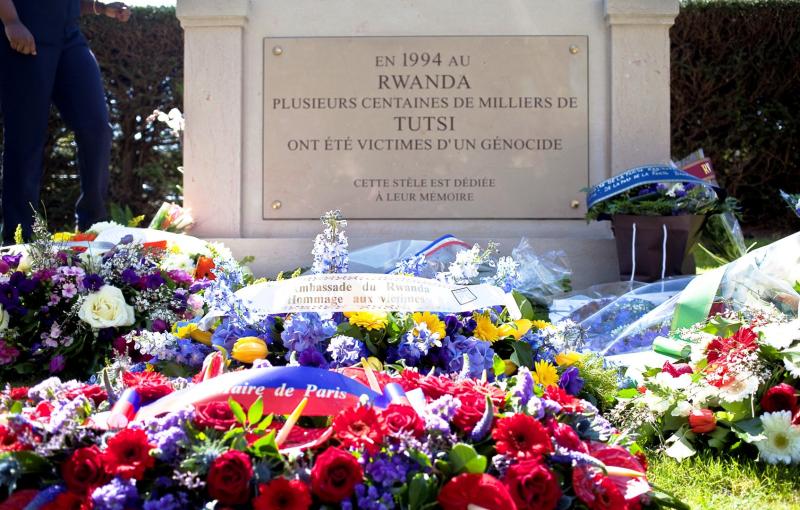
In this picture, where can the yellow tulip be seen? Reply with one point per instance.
(198, 335)
(510, 368)
(248, 349)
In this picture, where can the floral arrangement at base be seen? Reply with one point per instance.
(737, 391)
(65, 305)
(513, 444)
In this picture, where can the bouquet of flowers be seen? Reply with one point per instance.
(737, 389)
(507, 445)
(63, 307)
(171, 218)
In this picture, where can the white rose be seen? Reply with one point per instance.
(98, 228)
(3, 319)
(106, 308)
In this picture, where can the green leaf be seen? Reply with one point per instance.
(627, 393)
(749, 431)
(265, 423)
(722, 326)
(30, 462)
(256, 411)
(16, 407)
(525, 307)
(265, 446)
(238, 412)
(523, 355)
(464, 459)
(498, 366)
(421, 491)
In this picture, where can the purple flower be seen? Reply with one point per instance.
(484, 425)
(12, 260)
(116, 495)
(130, 277)
(571, 381)
(57, 364)
(8, 353)
(303, 331)
(180, 276)
(523, 389)
(153, 281)
(93, 282)
(160, 325)
(312, 358)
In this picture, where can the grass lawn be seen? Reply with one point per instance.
(721, 482)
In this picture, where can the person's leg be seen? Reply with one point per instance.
(80, 98)
(26, 84)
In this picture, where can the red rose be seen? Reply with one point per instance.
(409, 379)
(150, 385)
(782, 397)
(482, 490)
(566, 437)
(214, 415)
(360, 427)
(334, 476)
(595, 489)
(676, 370)
(564, 399)
(84, 470)
(282, 494)
(521, 437)
(91, 391)
(533, 486)
(402, 420)
(229, 478)
(702, 421)
(128, 454)
(20, 393)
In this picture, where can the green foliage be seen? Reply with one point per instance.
(735, 93)
(601, 383)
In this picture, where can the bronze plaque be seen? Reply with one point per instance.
(425, 127)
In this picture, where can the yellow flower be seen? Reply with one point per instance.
(565, 359)
(434, 324)
(368, 320)
(545, 373)
(539, 324)
(510, 367)
(63, 237)
(189, 329)
(485, 330)
(248, 349)
(517, 329)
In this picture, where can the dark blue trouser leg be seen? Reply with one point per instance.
(26, 85)
(78, 94)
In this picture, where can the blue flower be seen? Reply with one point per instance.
(302, 331)
(92, 282)
(479, 353)
(227, 333)
(571, 381)
(312, 358)
(345, 351)
(118, 494)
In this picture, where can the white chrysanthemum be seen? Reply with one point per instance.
(792, 367)
(178, 261)
(699, 346)
(742, 387)
(782, 442)
(780, 335)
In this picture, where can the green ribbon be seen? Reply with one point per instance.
(694, 303)
(671, 347)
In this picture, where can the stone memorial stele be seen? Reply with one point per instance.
(418, 118)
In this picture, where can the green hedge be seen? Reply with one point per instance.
(735, 93)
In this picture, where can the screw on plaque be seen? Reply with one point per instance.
(575, 204)
(574, 49)
(277, 51)
(276, 205)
